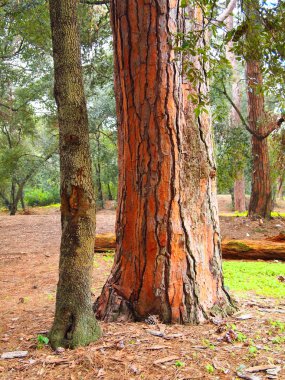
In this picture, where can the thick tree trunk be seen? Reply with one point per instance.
(168, 259)
(74, 323)
(261, 198)
(260, 204)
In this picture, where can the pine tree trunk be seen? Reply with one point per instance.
(260, 204)
(168, 258)
(74, 323)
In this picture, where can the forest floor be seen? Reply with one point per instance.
(29, 252)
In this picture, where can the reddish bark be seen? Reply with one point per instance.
(261, 198)
(168, 260)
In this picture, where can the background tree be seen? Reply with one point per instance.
(259, 123)
(27, 137)
(74, 323)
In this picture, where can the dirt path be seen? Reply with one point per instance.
(29, 253)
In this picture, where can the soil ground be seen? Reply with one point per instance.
(29, 253)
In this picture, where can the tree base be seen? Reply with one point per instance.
(110, 306)
(74, 331)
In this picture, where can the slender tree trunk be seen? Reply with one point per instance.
(100, 197)
(22, 201)
(261, 194)
(168, 258)
(13, 206)
(110, 196)
(279, 192)
(239, 193)
(239, 181)
(74, 322)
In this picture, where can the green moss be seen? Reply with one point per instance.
(85, 330)
(238, 246)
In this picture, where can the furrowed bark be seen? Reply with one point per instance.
(168, 260)
(74, 322)
(260, 204)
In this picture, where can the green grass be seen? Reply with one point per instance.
(274, 214)
(258, 277)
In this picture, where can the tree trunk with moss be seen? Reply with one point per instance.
(168, 257)
(74, 322)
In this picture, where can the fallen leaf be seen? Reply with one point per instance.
(273, 371)
(155, 333)
(101, 347)
(101, 372)
(173, 336)
(244, 317)
(120, 345)
(134, 369)
(166, 359)
(248, 377)
(157, 347)
(260, 368)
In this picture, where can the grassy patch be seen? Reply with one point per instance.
(258, 277)
(274, 214)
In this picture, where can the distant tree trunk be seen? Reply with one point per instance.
(168, 258)
(260, 203)
(279, 192)
(22, 201)
(239, 181)
(74, 323)
(100, 198)
(110, 196)
(239, 193)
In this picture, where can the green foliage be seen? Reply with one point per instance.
(258, 277)
(42, 340)
(179, 364)
(39, 197)
(209, 368)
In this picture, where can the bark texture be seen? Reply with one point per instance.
(261, 194)
(74, 323)
(168, 259)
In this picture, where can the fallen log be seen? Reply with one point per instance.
(272, 248)
(105, 242)
(253, 249)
